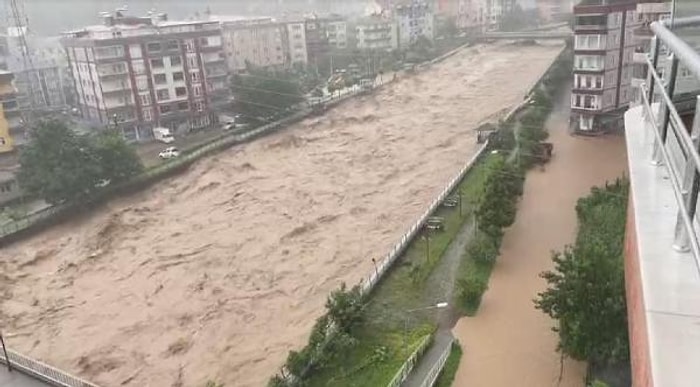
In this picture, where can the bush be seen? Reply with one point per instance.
(346, 308)
(482, 249)
(470, 290)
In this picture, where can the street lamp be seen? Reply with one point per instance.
(439, 305)
(4, 350)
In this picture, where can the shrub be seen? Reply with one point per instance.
(470, 290)
(346, 308)
(482, 249)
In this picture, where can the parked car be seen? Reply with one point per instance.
(169, 153)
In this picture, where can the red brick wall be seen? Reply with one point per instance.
(639, 342)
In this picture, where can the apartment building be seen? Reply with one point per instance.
(296, 42)
(414, 19)
(604, 47)
(8, 99)
(337, 32)
(647, 11)
(260, 42)
(550, 11)
(495, 9)
(376, 33)
(145, 72)
(45, 83)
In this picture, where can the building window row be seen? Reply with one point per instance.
(588, 102)
(588, 81)
(590, 42)
(589, 62)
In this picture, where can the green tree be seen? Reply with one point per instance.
(59, 165)
(496, 206)
(346, 308)
(262, 92)
(586, 292)
(118, 160)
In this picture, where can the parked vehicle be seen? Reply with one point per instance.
(163, 135)
(169, 153)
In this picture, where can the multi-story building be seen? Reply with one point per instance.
(661, 251)
(376, 33)
(260, 42)
(42, 78)
(337, 32)
(549, 11)
(495, 9)
(414, 19)
(647, 11)
(8, 98)
(145, 72)
(296, 42)
(603, 54)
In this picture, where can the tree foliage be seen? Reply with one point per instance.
(59, 165)
(263, 92)
(346, 308)
(586, 292)
(497, 204)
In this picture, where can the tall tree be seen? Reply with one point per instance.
(262, 92)
(586, 292)
(59, 165)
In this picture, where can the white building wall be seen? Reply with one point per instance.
(297, 43)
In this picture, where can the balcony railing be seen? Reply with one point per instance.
(676, 146)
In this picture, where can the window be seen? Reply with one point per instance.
(160, 79)
(172, 45)
(154, 47)
(157, 63)
(175, 61)
(184, 105)
(147, 114)
(192, 62)
(180, 91)
(197, 91)
(199, 106)
(203, 42)
(178, 76)
(164, 109)
(590, 42)
(145, 99)
(589, 62)
(189, 46)
(162, 95)
(195, 77)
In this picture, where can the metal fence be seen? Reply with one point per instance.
(41, 371)
(439, 365)
(407, 366)
(675, 147)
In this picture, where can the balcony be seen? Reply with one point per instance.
(591, 23)
(662, 252)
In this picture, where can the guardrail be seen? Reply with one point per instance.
(407, 366)
(437, 368)
(675, 147)
(42, 371)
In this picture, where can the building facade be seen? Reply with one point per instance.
(43, 81)
(259, 42)
(646, 12)
(413, 20)
(144, 72)
(337, 32)
(8, 98)
(376, 33)
(604, 47)
(296, 42)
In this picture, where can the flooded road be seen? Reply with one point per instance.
(509, 342)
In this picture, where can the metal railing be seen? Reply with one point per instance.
(52, 376)
(675, 148)
(408, 365)
(437, 368)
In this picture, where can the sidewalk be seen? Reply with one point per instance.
(443, 340)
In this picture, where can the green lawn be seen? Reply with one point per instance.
(447, 375)
(381, 350)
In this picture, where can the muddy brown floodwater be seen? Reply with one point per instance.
(509, 342)
(217, 273)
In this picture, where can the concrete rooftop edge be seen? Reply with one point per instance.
(669, 281)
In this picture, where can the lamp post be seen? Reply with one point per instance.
(426, 236)
(439, 305)
(4, 350)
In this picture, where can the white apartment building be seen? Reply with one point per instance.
(376, 33)
(143, 72)
(296, 42)
(337, 32)
(414, 19)
(261, 42)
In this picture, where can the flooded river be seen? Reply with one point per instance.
(509, 342)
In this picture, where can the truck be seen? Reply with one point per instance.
(163, 135)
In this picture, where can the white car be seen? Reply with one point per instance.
(169, 153)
